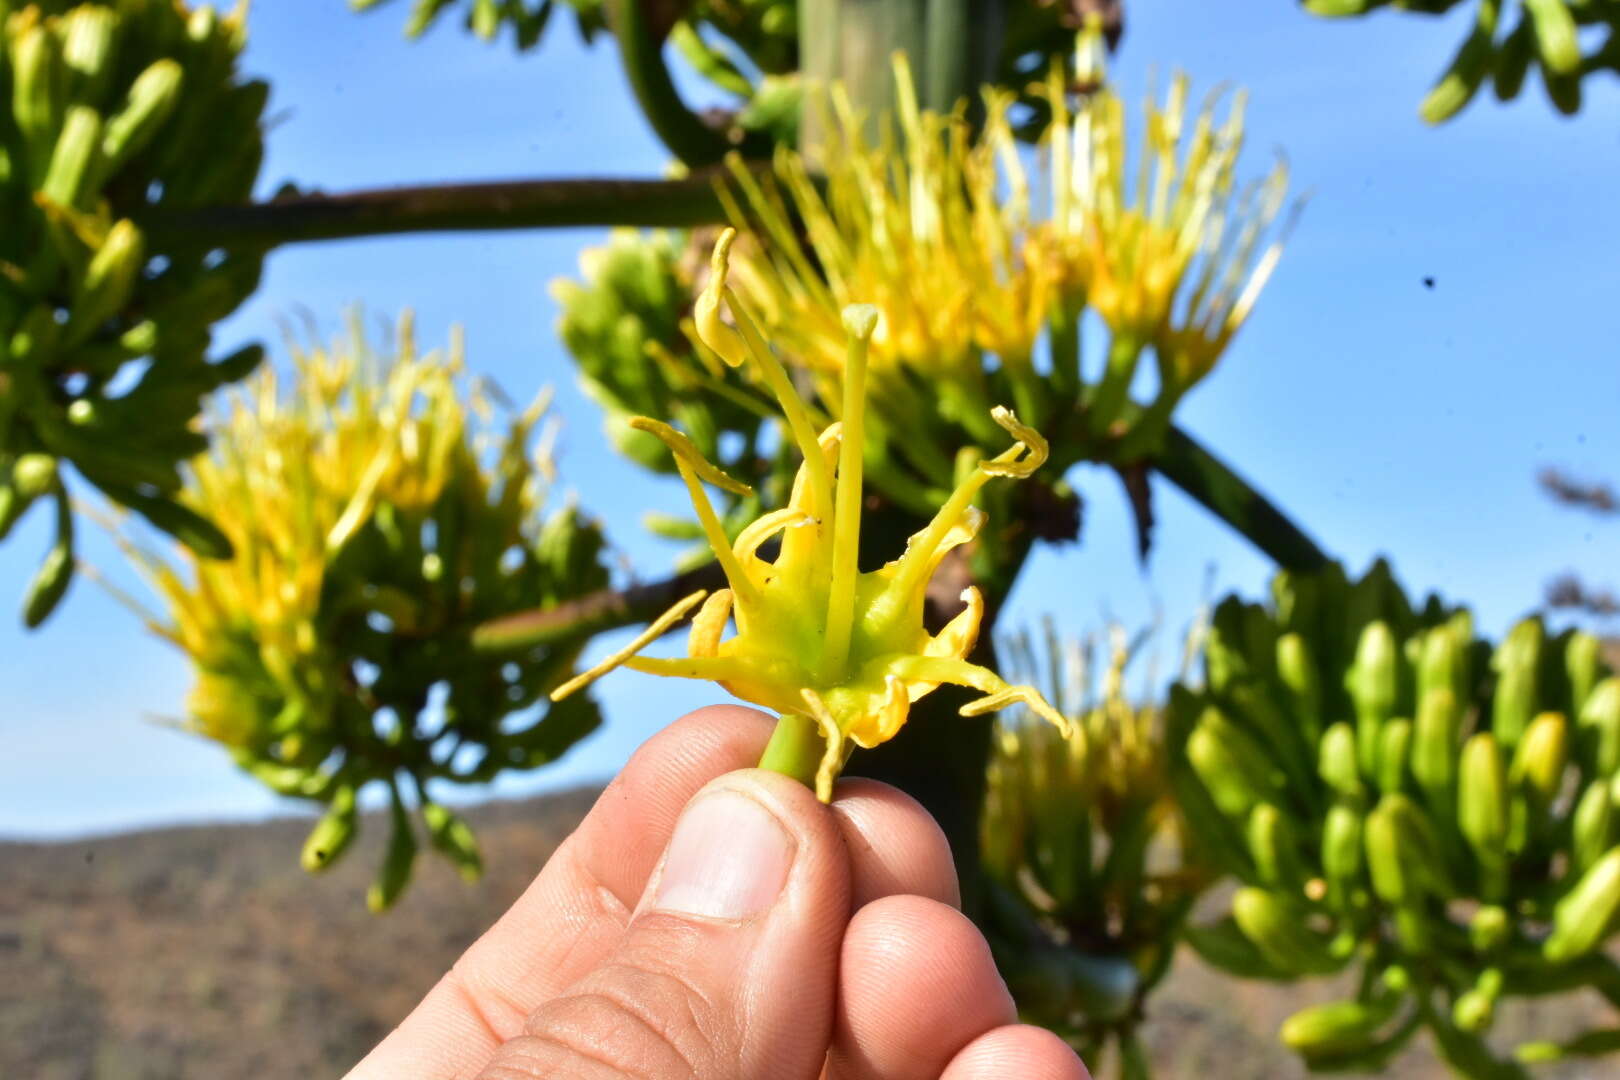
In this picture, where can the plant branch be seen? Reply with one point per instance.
(515, 204)
(593, 613)
(1213, 484)
(641, 51)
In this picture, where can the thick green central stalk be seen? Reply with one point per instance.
(952, 46)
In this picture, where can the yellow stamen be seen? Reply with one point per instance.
(860, 320)
(793, 407)
(653, 632)
(691, 465)
(1018, 461)
(737, 344)
(685, 450)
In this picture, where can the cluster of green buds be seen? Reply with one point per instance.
(1398, 796)
(1091, 872)
(115, 110)
(628, 324)
(936, 227)
(378, 515)
(1546, 34)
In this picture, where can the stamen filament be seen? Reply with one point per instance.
(742, 583)
(713, 668)
(691, 465)
(793, 407)
(627, 655)
(1019, 460)
(860, 320)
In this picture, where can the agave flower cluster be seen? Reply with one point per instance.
(816, 638)
(1092, 873)
(1112, 754)
(377, 515)
(940, 231)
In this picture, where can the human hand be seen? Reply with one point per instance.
(764, 936)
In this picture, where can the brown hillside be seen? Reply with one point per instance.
(205, 952)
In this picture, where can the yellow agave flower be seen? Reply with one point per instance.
(1113, 749)
(1166, 252)
(1107, 766)
(939, 230)
(836, 650)
(914, 227)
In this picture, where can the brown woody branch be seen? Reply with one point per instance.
(593, 613)
(516, 204)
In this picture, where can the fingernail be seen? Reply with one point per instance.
(729, 859)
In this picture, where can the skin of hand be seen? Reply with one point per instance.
(712, 921)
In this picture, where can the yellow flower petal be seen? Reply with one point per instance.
(709, 624)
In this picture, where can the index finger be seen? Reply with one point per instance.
(576, 909)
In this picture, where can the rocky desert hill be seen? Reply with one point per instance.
(204, 951)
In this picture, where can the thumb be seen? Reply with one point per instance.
(728, 966)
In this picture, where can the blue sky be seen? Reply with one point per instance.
(1386, 416)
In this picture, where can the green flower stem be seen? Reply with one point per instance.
(1064, 337)
(795, 749)
(1213, 484)
(963, 38)
(680, 129)
(521, 204)
(1147, 431)
(952, 46)
(850, 41)
(1112, 392)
